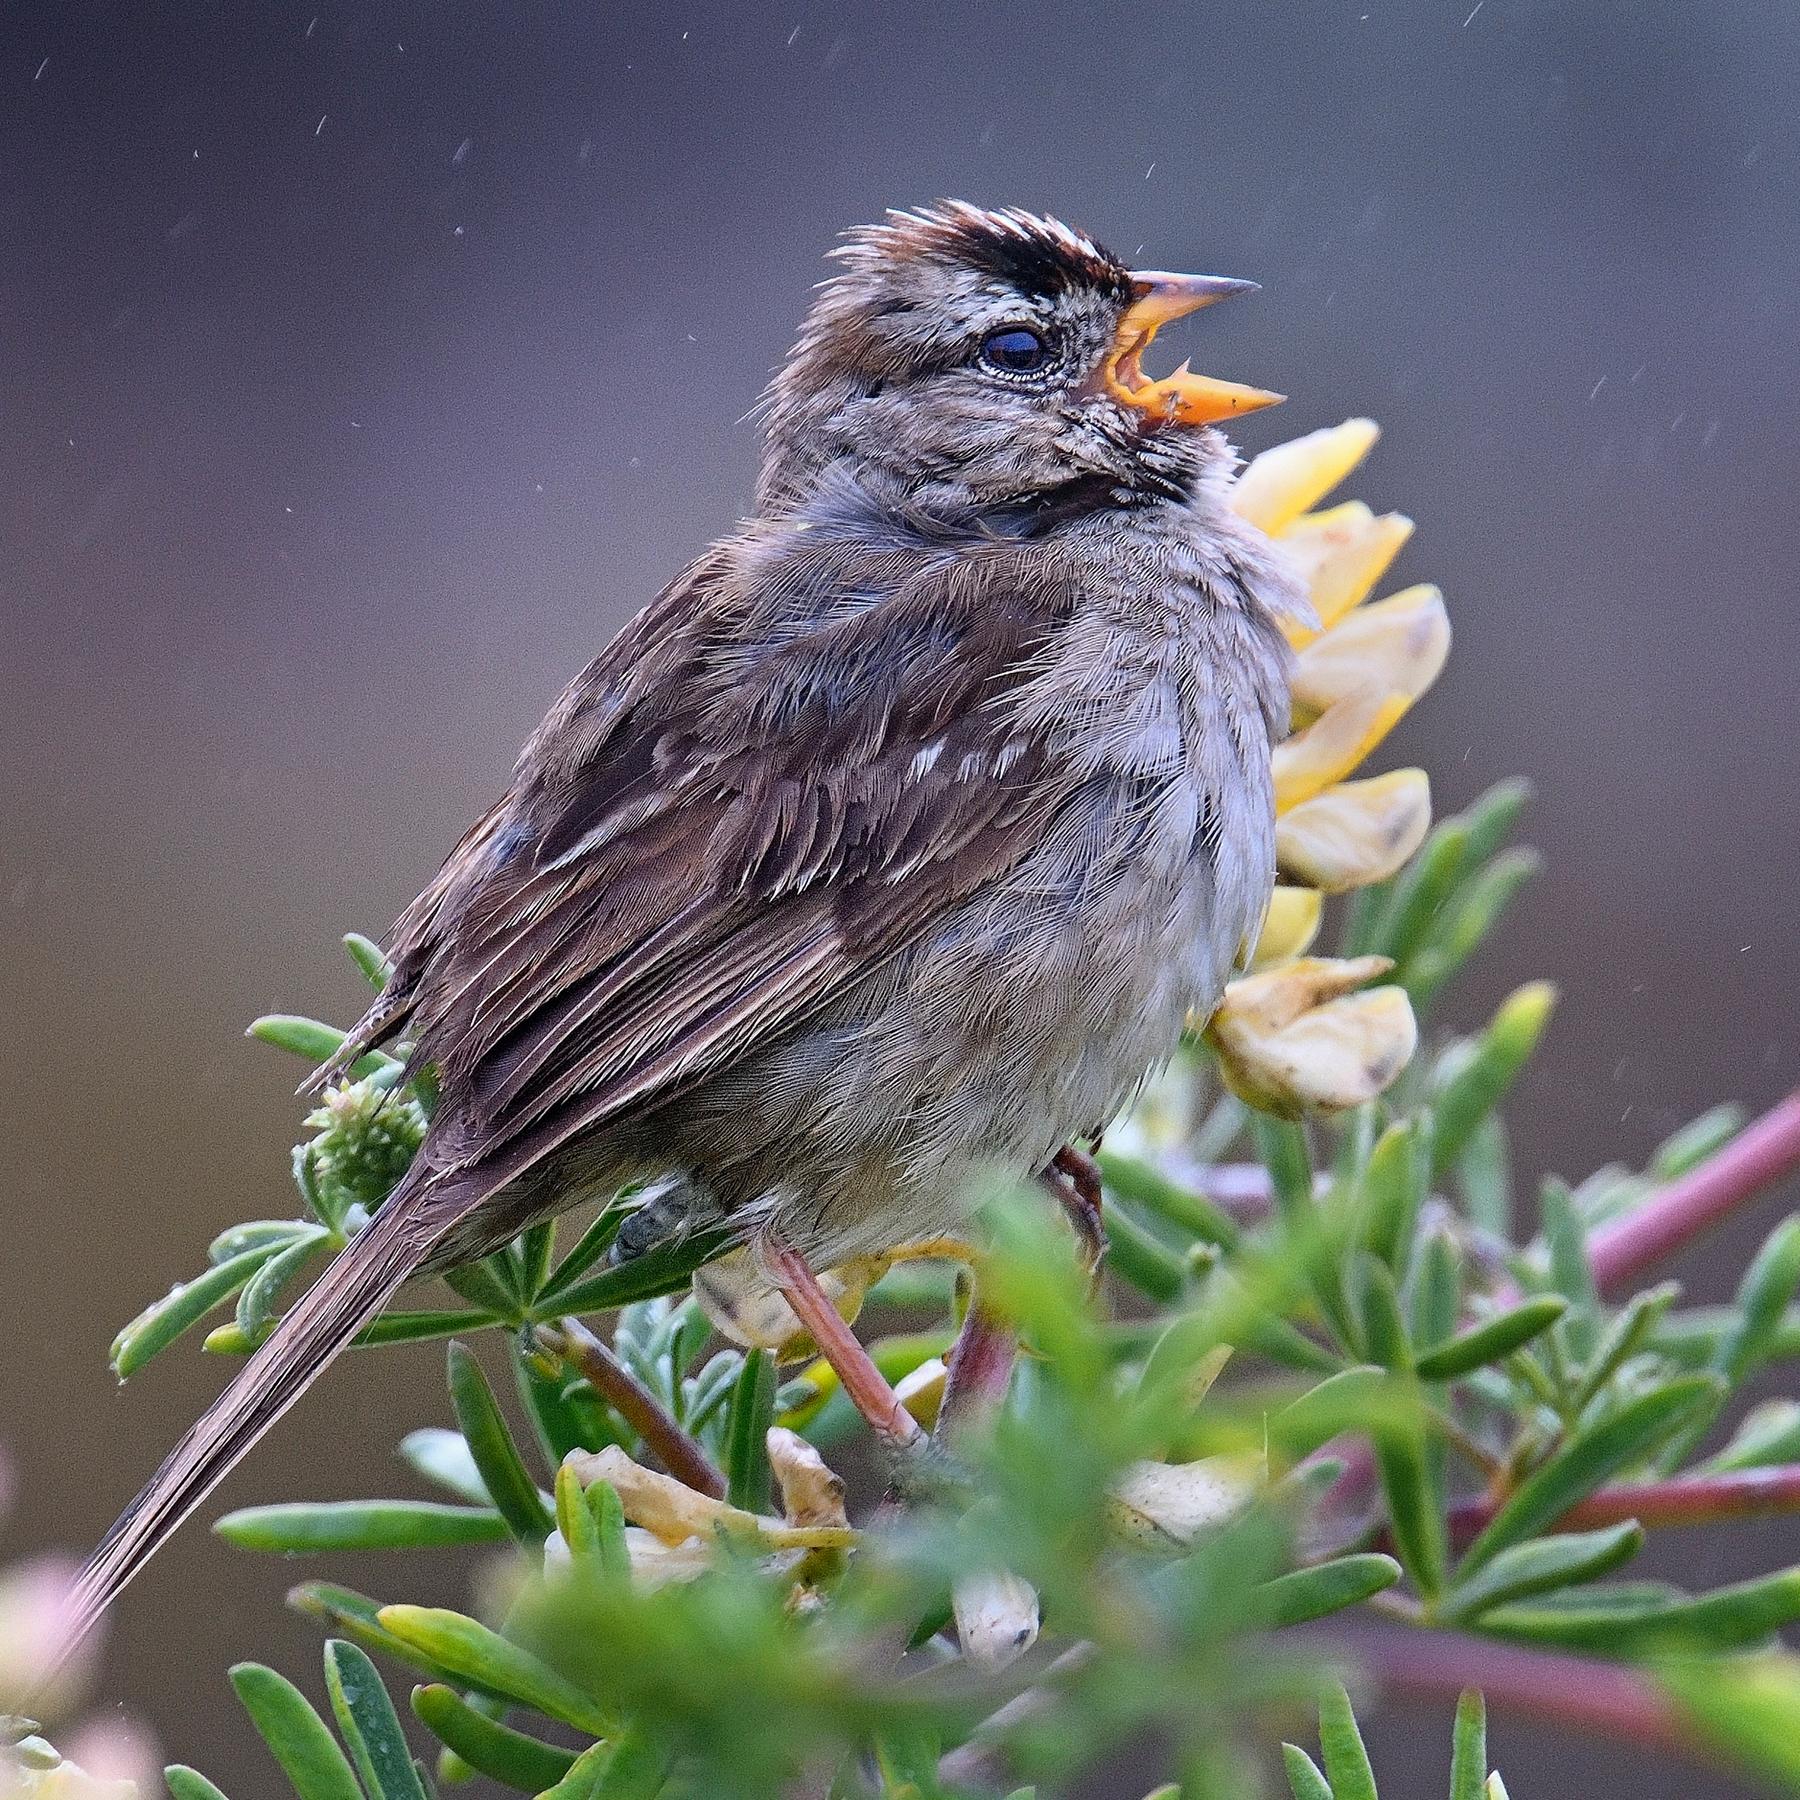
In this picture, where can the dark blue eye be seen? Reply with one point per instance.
(1018, 350)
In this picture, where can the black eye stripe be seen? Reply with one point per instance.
(1016, 350)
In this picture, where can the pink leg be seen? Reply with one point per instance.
(865, 1384)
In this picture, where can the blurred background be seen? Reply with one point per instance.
(365, 366)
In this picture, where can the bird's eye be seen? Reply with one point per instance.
(1018, 350)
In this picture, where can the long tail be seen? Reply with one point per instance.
(366, 1274)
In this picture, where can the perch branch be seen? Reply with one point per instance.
(678, 1452)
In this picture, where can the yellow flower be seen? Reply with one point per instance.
(1356, 673)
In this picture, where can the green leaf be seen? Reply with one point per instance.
(580, 1532)
(1466, 923)
(1191, 1214)
(1763, 1295)
(480, 1285)
(1571, 1273)
(1767, 1434)
(1482, 1081)
(164, 1320)
(1393, 1185)
(583, 1779)
(296, 1735)
(1588, 1459)
(355, 1616)
(1325, 1588)
(1492, 1340)
(637, 1768)
(184, 1783)
(486, 1745)
(1696, 1142)
(1725, 1619)
(1468, 1756)
(1628, 1331)
(315, 1041)
(1543, 1565)
(255, 1234)
(588, 1249)
(662, 1270)
(365, 1716)
(1421, 891)
(1491, 819)
(746, 1428)
(1746, 1706)
(1384, 1330)
(612, 1551)
(370, 959)
(1304, 1779)
(1136, 1255)
(503, 1471)
(1484, 1174)
(1434, 1305)
(1282, 1149)
(359, 1525)
(1341, 1747)
(471, 1652)
(262, 1292)
(1341, 1402)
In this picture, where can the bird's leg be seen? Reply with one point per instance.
(865, 1384)
(1074, 1178)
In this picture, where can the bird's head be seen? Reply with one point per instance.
(990, 358)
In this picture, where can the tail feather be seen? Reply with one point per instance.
(352, 1290)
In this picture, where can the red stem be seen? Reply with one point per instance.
(1542, 1686)
(1758, 1157)
(638, 1407)
(1681, 1500)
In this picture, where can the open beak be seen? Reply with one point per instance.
(1183, 398)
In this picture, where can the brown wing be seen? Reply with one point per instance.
(754, 797)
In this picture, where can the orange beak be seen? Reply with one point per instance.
(1183, 398)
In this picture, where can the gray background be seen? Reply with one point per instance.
(364, 366)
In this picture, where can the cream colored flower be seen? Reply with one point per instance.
(1300, 1038)
(1168, 1505)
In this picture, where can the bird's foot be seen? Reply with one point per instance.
(1074, 1178)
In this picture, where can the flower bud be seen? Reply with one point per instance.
(997, 1618)
(1355, 833)
(921, 1390)
(367, 1137)
(1299, 1038)
(1288, 927)
(811, 1493)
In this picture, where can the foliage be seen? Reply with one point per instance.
(1428, 1413)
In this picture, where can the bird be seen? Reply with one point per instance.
(893, 842)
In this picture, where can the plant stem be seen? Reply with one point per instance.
(980, 1369)
(1759, 1156)
(1601, 1699)
(673, 1447)
(1680, 1500)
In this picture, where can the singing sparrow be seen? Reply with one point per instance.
(896, 838)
